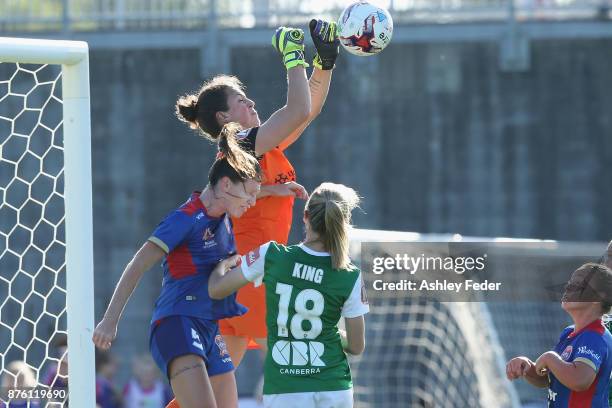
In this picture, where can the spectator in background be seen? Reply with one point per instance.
(107, 395)
(56, 376)
(18, 376)
(145, 389)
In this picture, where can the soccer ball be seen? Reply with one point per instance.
(364, 29)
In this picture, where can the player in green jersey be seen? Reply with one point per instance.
(309, 287)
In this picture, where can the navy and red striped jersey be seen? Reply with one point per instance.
(592, 346)
(194, 243)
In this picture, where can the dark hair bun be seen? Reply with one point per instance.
(187, 109)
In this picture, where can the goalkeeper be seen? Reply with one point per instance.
(309, 287)
(223, 100)
(577, 372)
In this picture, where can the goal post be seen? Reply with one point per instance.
(77, 199)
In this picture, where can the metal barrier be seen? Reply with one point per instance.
(96, 15)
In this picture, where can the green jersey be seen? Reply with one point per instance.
(305, 299)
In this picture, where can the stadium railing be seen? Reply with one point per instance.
(92, 15)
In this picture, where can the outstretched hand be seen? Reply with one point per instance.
(290, 188)
(325, 39)
(289, 42)
(518, 367)
(104, 334)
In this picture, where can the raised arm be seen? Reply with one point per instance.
(147, 256)
(325, 38)
(290, 43)
(226, 278)
(319, 88)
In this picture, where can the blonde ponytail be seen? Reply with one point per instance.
(329, 213)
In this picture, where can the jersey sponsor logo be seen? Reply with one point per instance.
(196, 340)
(222, 346)
(208, 238)
(282, 178)
(208, 235)
(300, 371)
(252, 256)
(567, 353)
(298, 353)
(584, 351)
(552, 396)
(306, 272)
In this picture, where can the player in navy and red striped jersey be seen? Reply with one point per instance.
(577, 371)
(184, 336)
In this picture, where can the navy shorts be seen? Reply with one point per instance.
(176, 336)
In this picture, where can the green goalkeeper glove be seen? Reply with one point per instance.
(290, 43)
(325, 39)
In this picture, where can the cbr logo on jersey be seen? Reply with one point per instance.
(196, 340)
(222, 346)
(252, 256)
(567, 353)
(298, 353)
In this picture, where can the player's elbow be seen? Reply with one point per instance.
(581, 384)
(315, 111)
(215, 293)
(301, 114)
(355, 347)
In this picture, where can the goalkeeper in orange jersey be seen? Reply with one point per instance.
(223, 100)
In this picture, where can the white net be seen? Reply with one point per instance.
(425, 353)
(32, 228)
(421, 353)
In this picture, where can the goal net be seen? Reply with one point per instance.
(426, 353)
(46, 251)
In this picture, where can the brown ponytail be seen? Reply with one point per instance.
(233, 161)
(199, 110)
(329, 213)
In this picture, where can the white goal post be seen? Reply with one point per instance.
(77, 194)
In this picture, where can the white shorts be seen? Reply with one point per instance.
(324, 399)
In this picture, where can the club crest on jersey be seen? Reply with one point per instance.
(252, 256)
(567, 353)
(222, 346)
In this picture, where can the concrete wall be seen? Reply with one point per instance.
(433, 135)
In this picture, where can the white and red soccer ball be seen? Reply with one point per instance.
(364, 29)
